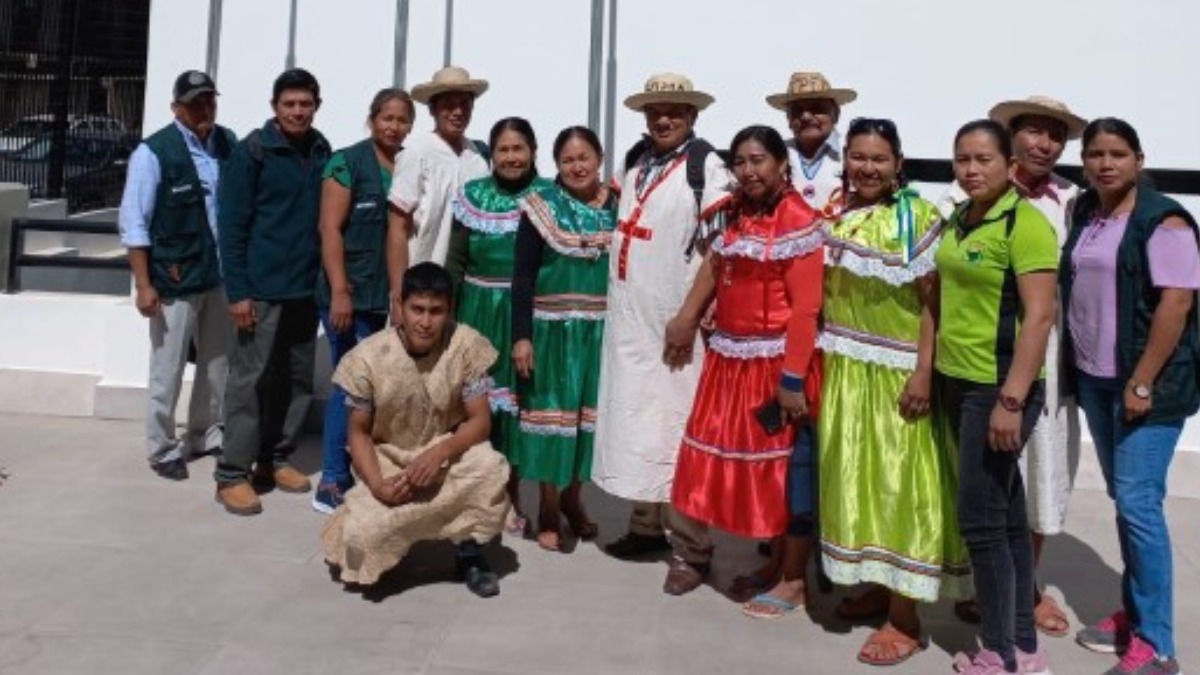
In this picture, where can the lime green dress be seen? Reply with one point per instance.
(569, 301)
(488, 216)
(887, 486)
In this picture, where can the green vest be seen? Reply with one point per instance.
(183, 252)
(365, 234)
(1176, 391)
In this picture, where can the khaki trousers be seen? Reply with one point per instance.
(689, 538)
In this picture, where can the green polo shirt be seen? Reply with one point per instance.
(978, 267)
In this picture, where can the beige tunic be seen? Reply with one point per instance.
(416, 405)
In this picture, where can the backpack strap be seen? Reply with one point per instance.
(483, 150)
(698, 153)
(634, 153)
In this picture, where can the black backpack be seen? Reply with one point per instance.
(697, 153)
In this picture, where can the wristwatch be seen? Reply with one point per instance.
(1011, 403)
(1139, 390)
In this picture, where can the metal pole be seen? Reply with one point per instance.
(212, 58)
(595, 63)
(400, 44)
(290, 62)
(610, 105)
(448, 44)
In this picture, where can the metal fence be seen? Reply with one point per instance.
(72, 79)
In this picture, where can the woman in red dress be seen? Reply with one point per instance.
(758, 388)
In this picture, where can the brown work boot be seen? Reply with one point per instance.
(290, 480)
(684, 577)
(239, 498)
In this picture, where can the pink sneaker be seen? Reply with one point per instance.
(1141, 659)
(983, 662)
(1108, 636)
(1033, 664)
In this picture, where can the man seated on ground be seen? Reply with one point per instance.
(419, 424)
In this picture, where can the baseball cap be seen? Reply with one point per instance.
(191, 84)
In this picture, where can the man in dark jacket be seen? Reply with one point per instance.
(168, 223)
(268, 203)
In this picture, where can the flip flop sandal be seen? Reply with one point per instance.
(889, 639)
(1050, 619)
(780, 607)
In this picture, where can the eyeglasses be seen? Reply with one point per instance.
(879, 125)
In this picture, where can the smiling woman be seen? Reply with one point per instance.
(481, 256)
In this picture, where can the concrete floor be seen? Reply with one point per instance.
(105, 568)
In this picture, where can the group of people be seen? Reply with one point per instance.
(787, 343)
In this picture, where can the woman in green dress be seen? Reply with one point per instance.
(887, 488)
(480, 261)
(559, 302)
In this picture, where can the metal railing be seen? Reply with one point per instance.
(18, 258)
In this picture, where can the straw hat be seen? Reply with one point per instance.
(669, 88)
(1044, 106)
(450, 78)
(808, 86)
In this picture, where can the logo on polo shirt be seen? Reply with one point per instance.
(975, 251)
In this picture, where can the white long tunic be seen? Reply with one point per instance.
(642, 405)
(428, 173)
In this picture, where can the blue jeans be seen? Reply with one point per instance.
(1135, 459)
(335, 465)
(992, 515)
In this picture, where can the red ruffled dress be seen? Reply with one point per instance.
(770, 268)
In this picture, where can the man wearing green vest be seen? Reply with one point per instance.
(168, 223)
(270, 250)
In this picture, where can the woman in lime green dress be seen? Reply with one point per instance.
(560, 291)
(887, 489)
(480, 260)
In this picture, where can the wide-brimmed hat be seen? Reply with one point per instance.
(450, 78)
(804, 86)
(1044, 106)
(669, 88)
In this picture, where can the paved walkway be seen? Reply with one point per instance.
(105, 568)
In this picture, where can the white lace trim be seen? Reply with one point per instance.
(861, 351)
(482, 221)
(746, 348)
(888, 268)
(476, 388)
(549, 430)
(864, 567)
(597, 243)
(784, 248)
(568, 315)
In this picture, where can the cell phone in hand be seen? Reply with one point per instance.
(770, 417)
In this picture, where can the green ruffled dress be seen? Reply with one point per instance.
(887, 485)
(489, 217)
(558, 402)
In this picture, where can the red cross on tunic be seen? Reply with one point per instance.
(631, 230)
(630, 227)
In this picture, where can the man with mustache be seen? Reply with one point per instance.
(168, 221)
(1040, 128)
(431, 168)
(670, 182)
(815, 152)
(270, 252)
